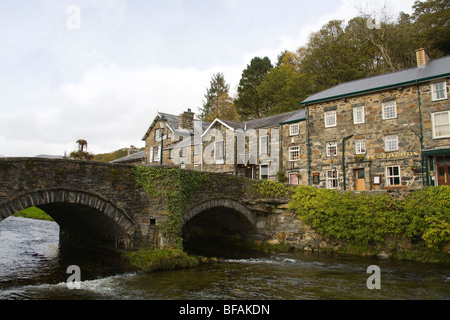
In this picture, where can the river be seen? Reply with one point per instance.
(33, 266)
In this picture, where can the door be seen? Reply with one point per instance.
(443, 170)
(360, 180)
(443, 173)
(293, 178)
(249, 172)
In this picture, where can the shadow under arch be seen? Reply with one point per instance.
(84, 218)
(215, 228)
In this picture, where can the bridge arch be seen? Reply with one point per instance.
(216, 227)
(84, 218)
(217, 203)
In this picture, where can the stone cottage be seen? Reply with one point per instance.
(177, 144)
(385, 132)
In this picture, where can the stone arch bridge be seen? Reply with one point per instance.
(100, 204)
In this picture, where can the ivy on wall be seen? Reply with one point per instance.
(177, 187)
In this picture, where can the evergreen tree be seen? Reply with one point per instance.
(218, 87)
(249, 105)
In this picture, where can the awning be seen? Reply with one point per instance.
(435, 152)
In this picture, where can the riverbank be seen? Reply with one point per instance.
(34, 213)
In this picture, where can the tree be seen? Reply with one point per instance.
(431, 20)
(285, 86)
(218, 87)
(249, 105)
(80, 154)
(223, 108)
(331, 57)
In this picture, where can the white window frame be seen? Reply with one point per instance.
(265, 150)
(330, 119)
(386, 108)
(260, 170)
(294, 129)
(157, 135)
(393, 176)
(151, 154)
(388, 143)
(219, 157)
(360, 146)
(196, 149)
(434, 91)
(294, 153)
(156, 155)
(433, 115)
(334, 178)
(330, 145)
(356, 111)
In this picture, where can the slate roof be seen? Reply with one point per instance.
(131, 158)
(434, 69)
(266, 122)
(172, 123)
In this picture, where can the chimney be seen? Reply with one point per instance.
(132, 150)
(422, 58)
(186, 120)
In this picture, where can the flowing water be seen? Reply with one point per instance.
(33, 266)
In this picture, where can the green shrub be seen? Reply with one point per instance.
(149, 259)
(371, 219)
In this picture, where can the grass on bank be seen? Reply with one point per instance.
(150, 260)
(33, 213)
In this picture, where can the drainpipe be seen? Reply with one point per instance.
(421, 132)
(281, 147)
(308, 146)
(343, 158)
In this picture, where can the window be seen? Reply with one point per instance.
(293, 178)
(331, 149)
(441, 124)
(438, 91)
(156, 154)
(331, 179)
(294, 153)
(218, 151)
(360, 146)
(264, 171)
(393, 176)
(391, 143)
(293, 129)
(157, 135)
(183, 152)
(389, 110)
(264, 145)
(358, 115)
(330, 119)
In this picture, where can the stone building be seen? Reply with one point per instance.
(178, 143)
(383, 132)
(250, 148)
(293, 145)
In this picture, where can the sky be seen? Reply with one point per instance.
(100, 70)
